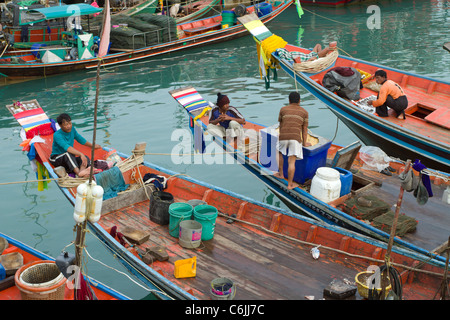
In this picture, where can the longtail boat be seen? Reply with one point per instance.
(422, 232)
(18, 258)
(423, 134)
(182, 36)
(195, 9)
(256, 251)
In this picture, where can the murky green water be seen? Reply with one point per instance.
(135, 106)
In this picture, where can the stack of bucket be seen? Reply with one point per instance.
(228, 19)
(192, 231)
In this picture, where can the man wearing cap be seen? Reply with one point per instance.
(391, 95)
(293, 121)
(225, 120)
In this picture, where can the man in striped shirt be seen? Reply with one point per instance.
(293, 121)
(391, 95)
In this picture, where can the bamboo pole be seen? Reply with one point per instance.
(387, 257)
(81, 227)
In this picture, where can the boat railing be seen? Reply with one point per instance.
(147, 34)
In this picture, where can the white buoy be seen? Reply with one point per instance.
(83, 192)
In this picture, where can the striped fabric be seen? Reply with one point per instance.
(252, 23)
(190, 99)
(32, 118)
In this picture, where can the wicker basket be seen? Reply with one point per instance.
(40, 280)
(362, 281)
(317, 65)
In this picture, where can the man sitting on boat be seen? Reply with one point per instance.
(299, 57)
(64, 154)
(391, 95)
(225, 120)
(293, 121)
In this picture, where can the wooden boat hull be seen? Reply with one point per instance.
(423, 140)
(270, 218)
(198, 9)
(29, 254)
(266, 250)
(303, 202)
(27, 70)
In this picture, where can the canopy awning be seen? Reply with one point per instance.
(55, 12)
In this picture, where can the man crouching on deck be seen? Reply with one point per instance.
(293, 121)
(63, 152)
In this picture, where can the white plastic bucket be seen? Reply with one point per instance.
(190, 233)
(326, 184)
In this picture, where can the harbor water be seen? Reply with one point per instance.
(135, 106)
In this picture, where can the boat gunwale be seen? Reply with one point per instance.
(334, 212)
(338, 102)
(206, 37)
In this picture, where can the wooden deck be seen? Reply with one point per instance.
(263, 264)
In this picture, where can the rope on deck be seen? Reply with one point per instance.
(334, 249)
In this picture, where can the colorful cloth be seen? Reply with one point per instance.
(292, 55)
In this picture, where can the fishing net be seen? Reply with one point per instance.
(140, 31)
(365, 207)
(405, 224)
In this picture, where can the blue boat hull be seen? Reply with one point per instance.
(395, 141)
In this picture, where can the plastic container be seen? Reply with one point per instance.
(159, 207)
(313, 157)
(263, 8)
(185, 268)
(190, 234)
(96, 210)
(206, 215)
(228, 18)
(40, 280)
(178, 212)
(196, 202)
(80, 213)
(326, 184)
(223, 289)
(346, 178)
(363, 280)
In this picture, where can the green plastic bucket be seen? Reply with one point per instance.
(206, 215)
(178, 212)
(228, 18)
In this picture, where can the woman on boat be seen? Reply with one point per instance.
(225, 119)
(64, 154)
(391, 95)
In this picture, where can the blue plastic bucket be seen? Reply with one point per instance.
(206, 215)
(346, 178)
(263, 8)
(178, 212)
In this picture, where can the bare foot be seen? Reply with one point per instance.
(293, 186)
(84, 173)
(278, 175)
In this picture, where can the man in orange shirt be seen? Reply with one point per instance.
(391, 95)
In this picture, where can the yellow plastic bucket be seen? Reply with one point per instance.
(186, 268)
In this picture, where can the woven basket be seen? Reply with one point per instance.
(317, 65)
(40, 280)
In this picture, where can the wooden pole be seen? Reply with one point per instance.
(387, 257)
(81, 227)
